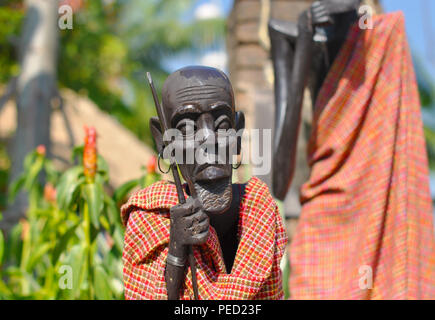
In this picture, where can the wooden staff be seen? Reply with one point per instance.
(174, 167)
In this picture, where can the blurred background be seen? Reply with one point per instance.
(74, 63)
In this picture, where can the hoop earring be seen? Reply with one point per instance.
(158, 164)
(239, 164)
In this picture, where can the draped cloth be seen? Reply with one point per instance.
(366, 227)
(255, 274)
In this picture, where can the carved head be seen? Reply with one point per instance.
(199, 103)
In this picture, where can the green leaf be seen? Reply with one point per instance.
(67, 187)
(94, 197)
(37, 255)
(2, 247)
(142, 181)
(118, 237)
(285, 276)
(14, 245)
(104, 223)
(112, 211)
(52, 174)
(123, 190)
(5, 292)
(101, 283)
(77, 153)
(14, 271)
(62, 243)
(102, 165)
(29, 160)
(117, 288)
(75, 258)
(16, 186)
(33, 172)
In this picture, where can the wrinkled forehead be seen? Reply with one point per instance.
(201, 87)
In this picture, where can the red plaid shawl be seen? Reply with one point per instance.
(255, 274)
(367, 205)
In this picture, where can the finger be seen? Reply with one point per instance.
(198, 228)
(316, 4)
(321, 19)
(200, 238)
(201, 216)
(197, 217)
(318, 9)
(318, 17)
(320, 13)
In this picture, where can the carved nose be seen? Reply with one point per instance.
(206, 125)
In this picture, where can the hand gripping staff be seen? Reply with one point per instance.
(177, 180)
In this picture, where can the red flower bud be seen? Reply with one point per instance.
(49, 193)
(90, 154)
(25, 231)
(151, 165)
(41, 150)
(75, 5)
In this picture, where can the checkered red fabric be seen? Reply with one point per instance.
(366, 228)
(256, 273)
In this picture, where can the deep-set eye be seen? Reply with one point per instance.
(223, 123)
(186, 127)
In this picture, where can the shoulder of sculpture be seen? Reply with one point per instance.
(257, 193)
(161, 195)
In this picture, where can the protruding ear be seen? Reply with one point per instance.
(240, 125)
(157, 134)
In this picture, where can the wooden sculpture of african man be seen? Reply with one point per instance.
(236, 231)
(366, 203)
(302, 55)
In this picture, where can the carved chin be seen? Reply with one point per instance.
(215, 197)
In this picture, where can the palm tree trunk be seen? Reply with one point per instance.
(35, 90)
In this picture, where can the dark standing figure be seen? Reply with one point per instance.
(236, 231)
(302, 54)
(207, 103)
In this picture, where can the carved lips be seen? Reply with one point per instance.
(211, 172)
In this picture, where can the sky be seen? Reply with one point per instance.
(419, 27)
(420, 30)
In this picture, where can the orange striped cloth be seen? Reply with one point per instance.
(366, 228)
(255, 274)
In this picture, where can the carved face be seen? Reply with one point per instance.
(199, 103)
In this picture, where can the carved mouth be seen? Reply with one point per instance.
(210, 172)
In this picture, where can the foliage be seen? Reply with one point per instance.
(430, 139)
(72, 228)
(111, 47)
(11, 18)
(4, 174)
(118, 42)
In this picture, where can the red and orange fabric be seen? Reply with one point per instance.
(366, 228)
(256, 273)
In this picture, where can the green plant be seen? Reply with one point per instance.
(4, 175)
(70, 244)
